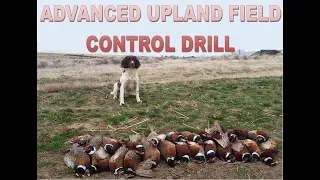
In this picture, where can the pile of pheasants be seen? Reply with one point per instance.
(137, 155)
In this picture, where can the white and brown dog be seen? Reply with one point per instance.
(129, 80)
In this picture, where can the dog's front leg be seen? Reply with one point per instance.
(122, 93)
(137, 92)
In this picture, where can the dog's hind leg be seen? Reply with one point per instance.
(115, 90)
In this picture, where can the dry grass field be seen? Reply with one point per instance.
(236, 92)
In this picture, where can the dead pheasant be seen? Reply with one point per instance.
(210, 150)
(183, 152)
(189, 136)
(152, 137)
(205, 135)
(240, 151)
(99, 162)
(131, 162)
(110, 145)
(237, 133)
(151, 152)
(269, 151)
(174, 137)
(253, 148)
(116, 160)
(224, 150)
(134, 156)
(196, 151)
(145, 169)
(90, 150)
(69, 157)
(215, 131)
(258, 135)
(96, 141)
(168, 151)
(79, 160)
(134, 143)
(223, 140)
(82, 140)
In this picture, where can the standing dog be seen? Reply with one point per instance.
(129, 80)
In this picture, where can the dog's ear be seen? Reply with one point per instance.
(124, 62)
(136, 62)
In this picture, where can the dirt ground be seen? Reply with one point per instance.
(59, 71)
(215, 170)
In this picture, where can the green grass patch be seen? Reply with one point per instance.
(54, 115)
(56, 143)
(249, 103)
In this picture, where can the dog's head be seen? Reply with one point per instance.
(130, 62)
